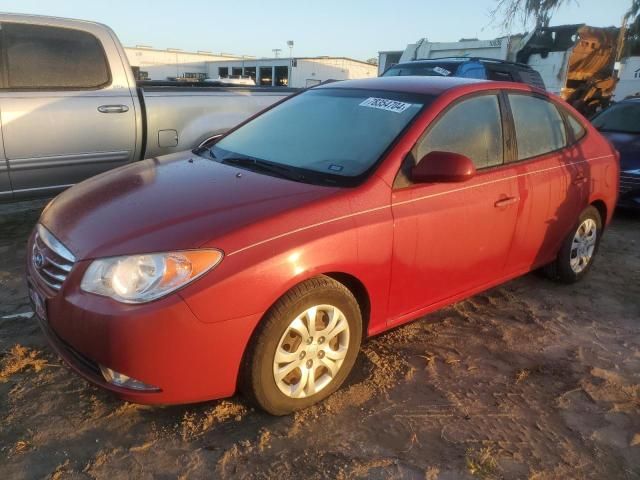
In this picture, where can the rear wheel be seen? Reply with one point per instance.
(579, 248)
(304, 348)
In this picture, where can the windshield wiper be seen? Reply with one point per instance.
(261, 165)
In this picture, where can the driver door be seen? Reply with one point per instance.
(452, 238)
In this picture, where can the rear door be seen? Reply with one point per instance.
(548, 178)
(453, 238)
(65, 115)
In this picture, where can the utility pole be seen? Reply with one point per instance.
(290, 45)
(276, 52)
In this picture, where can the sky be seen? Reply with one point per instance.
(355, 28)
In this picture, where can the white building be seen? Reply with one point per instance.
(154, 64)
(629, 78)
(298, 72)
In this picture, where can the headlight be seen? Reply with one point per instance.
(142, 278)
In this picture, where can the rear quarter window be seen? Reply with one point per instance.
(576, 130)
(42, 57)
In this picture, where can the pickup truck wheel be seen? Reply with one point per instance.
(579, 248)
(304, 348)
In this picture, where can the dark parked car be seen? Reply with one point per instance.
(620, 123)
(465, 67)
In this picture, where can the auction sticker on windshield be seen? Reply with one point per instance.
(385, 104)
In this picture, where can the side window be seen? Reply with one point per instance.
(539, 126)
(472, 127)
(53, 58)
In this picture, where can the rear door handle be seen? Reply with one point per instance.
(113, 108)
(505, 202)
(579, 180)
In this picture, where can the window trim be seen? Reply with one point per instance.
(560, 111)
(402, 180)
(4, 63)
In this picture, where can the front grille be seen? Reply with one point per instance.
(629, 182)
(50, 259)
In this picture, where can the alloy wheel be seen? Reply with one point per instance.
(583, 245)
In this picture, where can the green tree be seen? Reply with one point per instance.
(540, 11)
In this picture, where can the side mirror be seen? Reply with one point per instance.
(443, 167)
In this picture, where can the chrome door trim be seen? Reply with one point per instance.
(62, 160)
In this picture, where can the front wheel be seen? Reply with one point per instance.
(304, 348)
(579, 248)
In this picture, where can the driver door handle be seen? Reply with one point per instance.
(505, 202)
(113, 108)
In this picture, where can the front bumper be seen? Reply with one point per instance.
(161, 343)
(629, 196)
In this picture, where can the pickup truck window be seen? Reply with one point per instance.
(53, 58)
(334, 132)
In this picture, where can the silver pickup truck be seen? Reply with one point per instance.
(70, 107)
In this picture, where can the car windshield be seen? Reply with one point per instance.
(423, 70)
(622, 117)
(331, 134)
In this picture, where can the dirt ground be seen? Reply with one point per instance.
(529, 380)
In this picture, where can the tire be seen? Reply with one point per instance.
(336, 307)
(565, 268)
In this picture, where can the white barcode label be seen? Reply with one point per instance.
(385, 104)
(442, 71)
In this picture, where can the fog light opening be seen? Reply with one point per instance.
(121, 380)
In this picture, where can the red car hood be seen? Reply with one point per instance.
(175, 202)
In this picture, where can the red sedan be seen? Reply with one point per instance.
(263, 259)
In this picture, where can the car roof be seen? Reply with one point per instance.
(408, 84)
